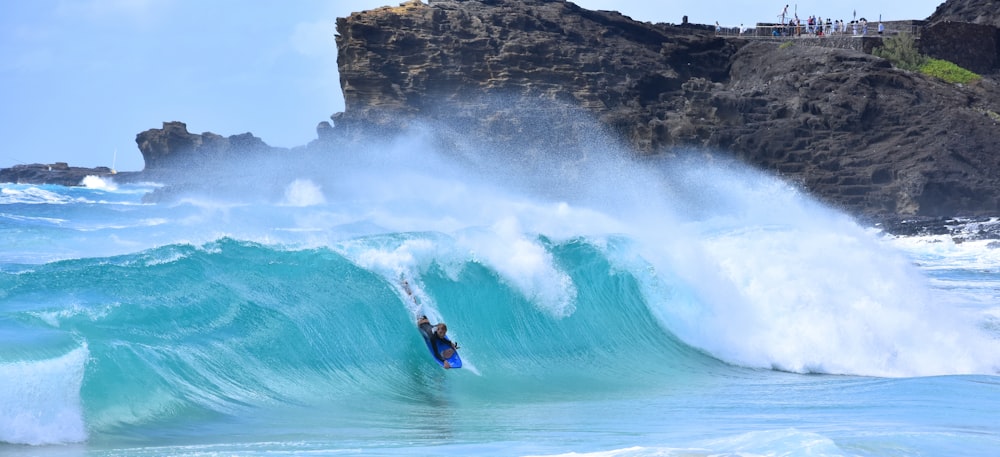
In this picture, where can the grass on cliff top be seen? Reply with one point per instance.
(901, 51)
(948, 72)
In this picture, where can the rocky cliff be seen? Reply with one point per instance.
(983, 12)
(852, 129)
(527, 78)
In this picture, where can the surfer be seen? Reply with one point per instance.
(435, 334)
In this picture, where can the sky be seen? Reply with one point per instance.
(80, 78)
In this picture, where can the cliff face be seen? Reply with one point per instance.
(983, 12)
(534, 77)
(853, 130)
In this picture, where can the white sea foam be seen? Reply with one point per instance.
(303, 192)
(97, 182)
(40, 401)
(26, 194)
(765, 277)
(523, 263)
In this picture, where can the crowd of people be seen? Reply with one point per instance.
(815, 25)
(792, 25)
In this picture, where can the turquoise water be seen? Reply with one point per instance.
(723, 314)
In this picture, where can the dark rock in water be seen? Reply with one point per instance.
(173, 147)
(59, 173)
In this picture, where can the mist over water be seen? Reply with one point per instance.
(733, 261)
(235, 302)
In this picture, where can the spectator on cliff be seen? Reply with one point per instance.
(864, 26)
(784, 12)
(881, 28)
(718, 28)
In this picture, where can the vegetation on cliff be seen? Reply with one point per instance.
(902, 51)
(948, 72)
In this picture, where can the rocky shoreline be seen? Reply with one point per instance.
(880, 143)
(59, 173)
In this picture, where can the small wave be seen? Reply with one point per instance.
(33, 195)
(40, 402)
(97, 182)
(33, 219)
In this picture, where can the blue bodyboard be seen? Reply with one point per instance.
(454, 360)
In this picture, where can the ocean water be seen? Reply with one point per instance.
(605, 307)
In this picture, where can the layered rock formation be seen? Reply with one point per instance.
(532, 77)
(853, 130)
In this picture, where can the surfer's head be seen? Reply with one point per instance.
(441, 329)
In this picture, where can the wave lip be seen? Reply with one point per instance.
(40, 403)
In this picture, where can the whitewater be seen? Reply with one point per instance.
(605, 305)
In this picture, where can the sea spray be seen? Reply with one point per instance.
(783, 282)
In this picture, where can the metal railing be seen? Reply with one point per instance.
(790, 32)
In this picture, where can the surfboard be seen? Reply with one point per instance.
(454, 360)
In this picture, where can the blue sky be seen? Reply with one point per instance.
(80, 78)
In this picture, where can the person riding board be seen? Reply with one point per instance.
(435, 334)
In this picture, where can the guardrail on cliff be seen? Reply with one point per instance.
(778, 31)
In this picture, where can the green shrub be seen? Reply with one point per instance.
(786, 45)
(947, 71)
(901, 51)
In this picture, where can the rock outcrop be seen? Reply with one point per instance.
(858, 133)
(174, 147)
(59, 173)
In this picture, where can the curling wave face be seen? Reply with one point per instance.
(580, 280)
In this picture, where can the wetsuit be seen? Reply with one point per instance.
(432, 337)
